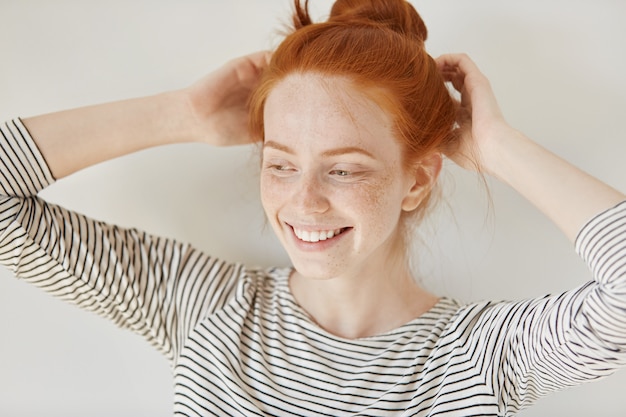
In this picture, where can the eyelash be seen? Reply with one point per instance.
(285, 169)
(341, 173)
(277, 167)
(337, 172)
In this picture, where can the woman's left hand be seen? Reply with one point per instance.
(480, 121)
(564, 193)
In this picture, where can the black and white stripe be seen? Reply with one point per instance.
(240, 345)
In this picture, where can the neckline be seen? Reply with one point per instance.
(282, 279)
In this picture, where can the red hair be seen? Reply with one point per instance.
(379, 46)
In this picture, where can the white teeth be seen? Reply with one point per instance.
(316, 235)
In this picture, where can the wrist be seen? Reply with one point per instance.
(506, 145)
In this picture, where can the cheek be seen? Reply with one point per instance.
(272, 193)
(266, 193)
(383, 207)
(382, 195)
(380, 205)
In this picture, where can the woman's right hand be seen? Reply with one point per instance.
(219, 101)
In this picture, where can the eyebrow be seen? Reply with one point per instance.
(331, 152)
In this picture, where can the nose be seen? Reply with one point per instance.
(310, 195)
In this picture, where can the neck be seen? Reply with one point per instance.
(366, 303)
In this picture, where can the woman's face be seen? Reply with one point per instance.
(332, 182)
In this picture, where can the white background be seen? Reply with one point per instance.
(557, 67)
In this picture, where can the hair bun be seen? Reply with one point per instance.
(398, 15)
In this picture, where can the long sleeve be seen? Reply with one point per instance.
(153, 286)
(602, 244)
(534, 347)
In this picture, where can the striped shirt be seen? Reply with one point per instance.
(240, 345)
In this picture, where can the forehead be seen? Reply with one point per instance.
(328, 111)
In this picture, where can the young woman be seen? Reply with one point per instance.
(354, 119)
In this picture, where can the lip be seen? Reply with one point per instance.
(319, 245)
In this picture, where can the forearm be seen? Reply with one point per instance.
(74, 139)
(563, 192)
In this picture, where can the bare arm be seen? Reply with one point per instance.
(564, 193)
(213, 110)
(74, 139)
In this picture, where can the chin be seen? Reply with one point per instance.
(315, 272)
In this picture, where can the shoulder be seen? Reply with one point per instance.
(498, 321)
(266, 283)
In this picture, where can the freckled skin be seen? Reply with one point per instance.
(311, 115)
(358, 283)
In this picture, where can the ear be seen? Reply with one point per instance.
(423, 176)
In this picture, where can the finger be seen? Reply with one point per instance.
(455, 78)
(260, 59)
(462, 64)
(460, 61)
(475, 86)
(451, 74)
(247, 69)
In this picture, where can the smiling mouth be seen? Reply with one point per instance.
(313, 236)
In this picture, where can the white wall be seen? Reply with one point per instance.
(557, 67)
